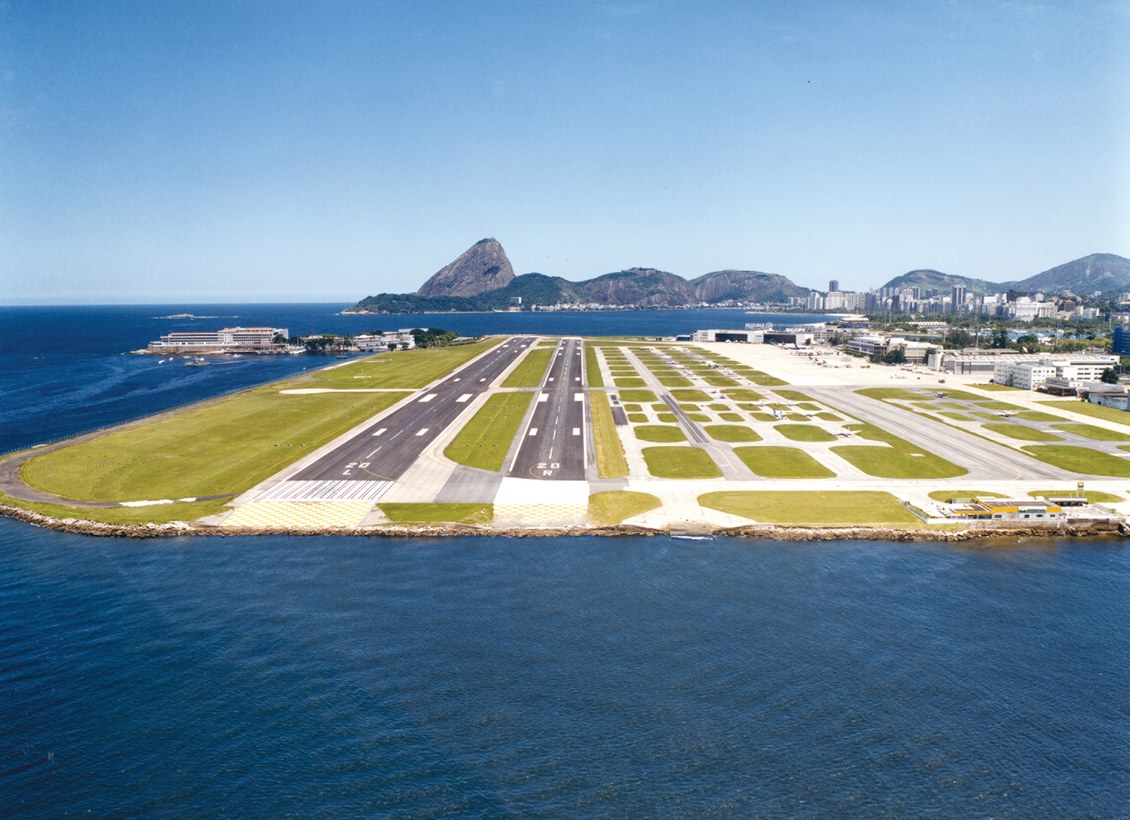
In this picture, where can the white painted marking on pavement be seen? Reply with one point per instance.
(381, 431)
(576, 431)
(578, 397)
(463, 398)
(543, 397)
(427, 398)
(533, 431)
(421, 431)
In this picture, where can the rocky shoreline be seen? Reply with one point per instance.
(761, 531)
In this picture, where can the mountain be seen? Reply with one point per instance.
(482, 267)
(927, 279)
(1104, 272)
(639, 286)
(531, 288)
(744, 286)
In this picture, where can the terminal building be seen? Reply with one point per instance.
(228, 338)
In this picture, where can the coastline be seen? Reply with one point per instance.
(773, 532)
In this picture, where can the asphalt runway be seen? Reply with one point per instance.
(383, 452)
(553, 443)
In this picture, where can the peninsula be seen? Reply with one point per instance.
(530, 435)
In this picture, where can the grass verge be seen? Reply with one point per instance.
(1092, 432)
(610, 461)
(155, 514)
(438, 513)
(1094, 410)
(219, 447)
(1024, 432)
(1081, 460)
(839, 507)
(592, 368)
(402, 369)
(616, 506)
(485, 439)
(531, 370)
(900, 460)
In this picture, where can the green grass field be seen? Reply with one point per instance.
(479, 514)
(804, 432)
(615, 506)
(1081, 460)
(948, 496)
(1036, 415)
(592, 368)
(407, 369)
(782, 462)
(1092, 496)
(731, 432)
(1022, 432)
(485, 439)
(610, 461)
(886, 393)
(993, 387)
(690, 396)
(901, 460)
(659, 433)
(531, 370)
(1094, 410)
(793, 395)
(742, 394)
(222, 447)
(156, 514)
(680, 462)
(801, 508)
(1091, 431)
(639, 396)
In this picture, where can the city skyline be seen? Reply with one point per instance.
(289, 152)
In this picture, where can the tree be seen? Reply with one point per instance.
(1000, 337)
(895, 356)
(1109, 376)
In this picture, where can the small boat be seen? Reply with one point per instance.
(196, 361)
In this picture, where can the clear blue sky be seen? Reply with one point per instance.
(286, 151)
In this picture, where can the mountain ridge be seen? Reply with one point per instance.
(482, 278)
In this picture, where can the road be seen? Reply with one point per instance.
(385, 451)
(553, 443)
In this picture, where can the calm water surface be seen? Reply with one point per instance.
(559, 677)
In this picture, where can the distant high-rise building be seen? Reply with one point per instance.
(957, 298)
(833, 285)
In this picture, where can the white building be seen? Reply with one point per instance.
(225, 338)
(1032, 372)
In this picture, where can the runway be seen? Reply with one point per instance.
(384, 451)
(553, 443)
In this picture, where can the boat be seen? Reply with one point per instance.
(196, 361)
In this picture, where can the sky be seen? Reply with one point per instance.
(279, 151)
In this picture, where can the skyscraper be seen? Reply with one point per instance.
(957, 298)
(833, 285)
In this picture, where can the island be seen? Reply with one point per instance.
(527, 435)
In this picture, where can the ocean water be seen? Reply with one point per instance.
(339, 676)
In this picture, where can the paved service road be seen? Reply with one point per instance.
(384, 451)
(553, 444)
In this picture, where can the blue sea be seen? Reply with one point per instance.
(339, 676)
